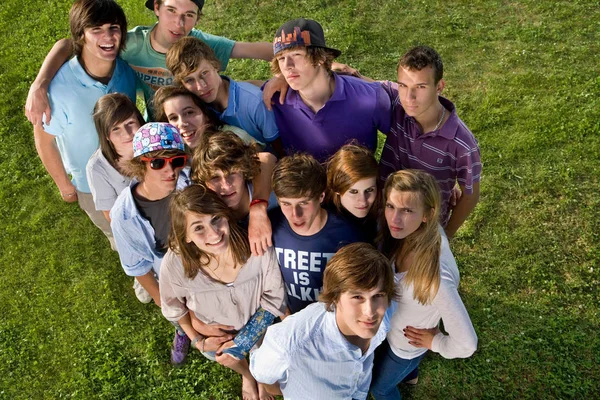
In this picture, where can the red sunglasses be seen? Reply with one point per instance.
(159, 163)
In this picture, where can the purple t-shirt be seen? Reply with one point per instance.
(302, 259)
(450, 153)
(356, 110)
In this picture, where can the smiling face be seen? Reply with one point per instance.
(359, 313)
(305, 215)
(176, 19)
(101, 43)
(121, 136)
(404, 213)
(418, 91)
(297, 69)
(204, 82)
(210, 233)
(359, 199)
(183, 113)
(231, 187)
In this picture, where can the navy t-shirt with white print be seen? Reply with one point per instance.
(302, 259)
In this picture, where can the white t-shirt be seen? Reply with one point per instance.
(105, 181)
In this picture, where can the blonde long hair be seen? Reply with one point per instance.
(201, 200)
(423, 245)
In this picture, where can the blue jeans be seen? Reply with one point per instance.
(388, 371)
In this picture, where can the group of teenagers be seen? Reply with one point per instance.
(255, 214)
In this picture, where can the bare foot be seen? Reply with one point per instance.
(249, 391)
(263, 394)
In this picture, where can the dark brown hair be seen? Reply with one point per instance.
(165, 93)
(316, 56)
(350, 164)
(299, 175)
(90, 13)
(421, 57)
(201, 200)
(110, 110)
(357, 266)
(224, 150)
(185, 56)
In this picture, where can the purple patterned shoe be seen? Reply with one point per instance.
(181, 345)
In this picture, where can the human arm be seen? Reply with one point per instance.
(270, 364)
(106, 215)
(253, 50)
(259, 225)
(37, 102)
(202, 342)
(45, 145)
(272, 86)
(464, 207)
(461, 339)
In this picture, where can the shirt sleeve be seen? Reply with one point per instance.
(269, 364)
(273, 296)
(133, 251)
(220, 45)
(383, 110)
(461, 340)
(468, 164)
(59, 121)
(265, 122)
(103, 193)
(173, 304)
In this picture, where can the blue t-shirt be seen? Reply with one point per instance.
(302, 259)
(73, 94)
(246, 110)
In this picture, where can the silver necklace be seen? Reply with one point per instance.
(441, 119)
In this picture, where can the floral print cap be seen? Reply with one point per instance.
(156, 136)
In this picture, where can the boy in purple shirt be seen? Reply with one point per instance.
(427, 134)
(322, 110)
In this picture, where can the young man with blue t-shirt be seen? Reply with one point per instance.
(66, 143)
(146, 49)
(305, 235)
(240, 104)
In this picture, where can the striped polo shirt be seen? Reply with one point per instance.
(450, 153)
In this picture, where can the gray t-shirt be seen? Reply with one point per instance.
(157, 213)
(106, 183)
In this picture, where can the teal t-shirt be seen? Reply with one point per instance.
(150, 65)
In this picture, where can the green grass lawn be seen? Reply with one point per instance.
(525, 77)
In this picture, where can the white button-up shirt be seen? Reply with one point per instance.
(310, 358)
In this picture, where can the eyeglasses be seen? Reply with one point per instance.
(159, 163)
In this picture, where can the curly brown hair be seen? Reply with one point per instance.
(224, 150)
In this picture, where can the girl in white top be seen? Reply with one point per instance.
(117, 119)
(428, 279)
(210, 271)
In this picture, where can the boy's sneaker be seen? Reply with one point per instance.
(179, 351)
(141, 293)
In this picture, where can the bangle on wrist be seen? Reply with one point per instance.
(258, 201)
(202, 346)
